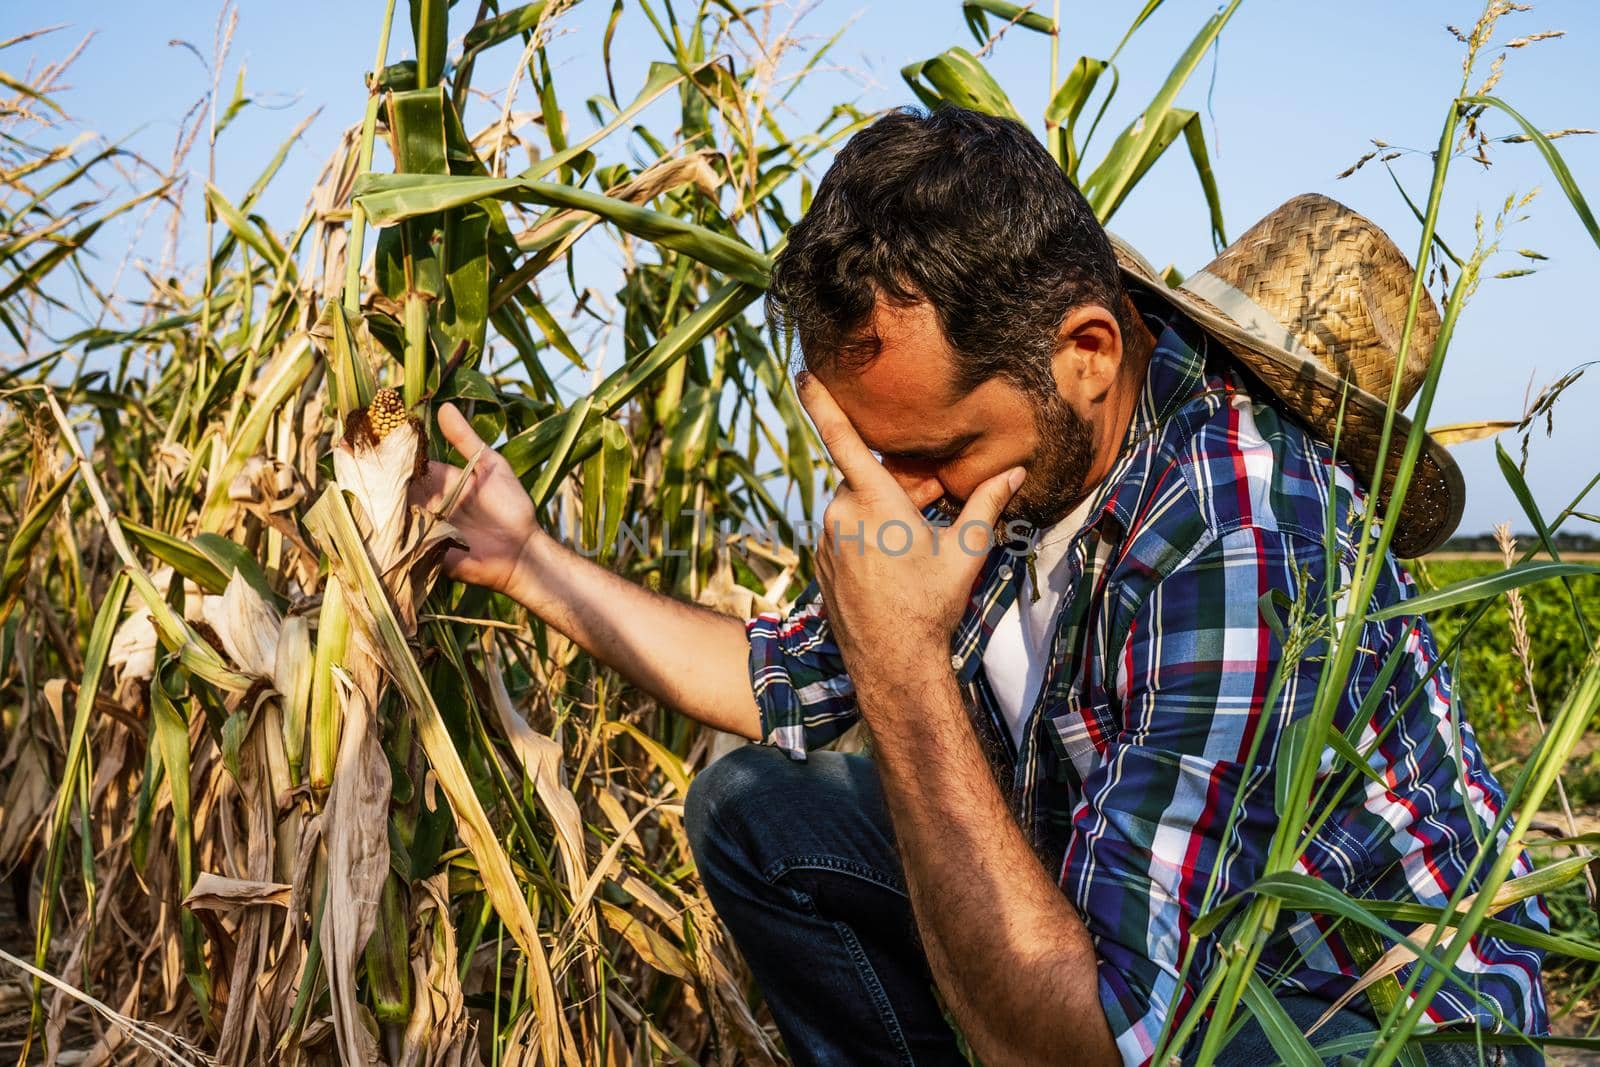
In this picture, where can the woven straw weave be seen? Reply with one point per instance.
(1339, 285)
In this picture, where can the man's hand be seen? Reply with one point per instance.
(895, 587)
(493, 514)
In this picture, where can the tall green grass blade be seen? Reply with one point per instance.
(1519, 488)
(1552, 157)
(1287, 1040)
(1471, 590)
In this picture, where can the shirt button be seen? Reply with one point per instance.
(955, 662)
(1005, 572)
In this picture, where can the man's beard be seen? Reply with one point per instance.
(1055, 481)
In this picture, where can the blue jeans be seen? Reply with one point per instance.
(799, 860)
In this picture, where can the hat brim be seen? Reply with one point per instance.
(1334, 410)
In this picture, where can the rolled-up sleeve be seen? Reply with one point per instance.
(801, 687)
(1150, 839)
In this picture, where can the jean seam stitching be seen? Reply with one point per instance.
(880, 996)
(869, 978)
(778, 868)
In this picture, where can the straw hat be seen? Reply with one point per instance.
(1311, 300)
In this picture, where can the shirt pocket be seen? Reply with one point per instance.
(1078, 731)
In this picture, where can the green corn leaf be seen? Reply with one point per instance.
(172, 740)
(1194, 137)
(145, 806)
(233, 558)
(540, 314)
(502, 27)
(25, 538)
(352, 373)
(1067, 103)
(390, 198)
(605, 48)
(464, 312)
(606, 488)
(257, 241)
(430, 29)
(285, 375)
(1129, 157)
(572, 422)
(182, 556)
(527, 449)
(1138, 20)
(660, 78)
(417, 119)
(977, 12)
(94, 665)
(957, 77)
(1173, 124)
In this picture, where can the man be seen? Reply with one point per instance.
(1058, 730)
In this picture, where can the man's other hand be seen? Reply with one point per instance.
(493, 515)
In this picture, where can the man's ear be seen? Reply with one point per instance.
(1088, 356)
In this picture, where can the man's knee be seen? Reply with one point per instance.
(724, 796)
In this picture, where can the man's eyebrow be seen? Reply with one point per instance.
(934, 450)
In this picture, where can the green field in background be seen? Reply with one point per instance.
(1489, 679)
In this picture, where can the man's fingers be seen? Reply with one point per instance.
(848, 452)
(458, 431)
(987, 501)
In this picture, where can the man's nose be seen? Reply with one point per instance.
(917, 480)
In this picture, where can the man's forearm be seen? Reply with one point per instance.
(686, 656)
(1008, 950)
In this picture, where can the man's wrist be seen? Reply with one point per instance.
(890, 695)
(532, 559)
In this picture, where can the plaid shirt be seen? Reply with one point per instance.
(1155, 690)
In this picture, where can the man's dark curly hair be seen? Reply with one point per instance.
(964, 210)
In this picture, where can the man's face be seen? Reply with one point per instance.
(940, 444)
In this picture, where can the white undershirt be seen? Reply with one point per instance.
(1019, 649)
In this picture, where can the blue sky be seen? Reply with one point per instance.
(1290, 99)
